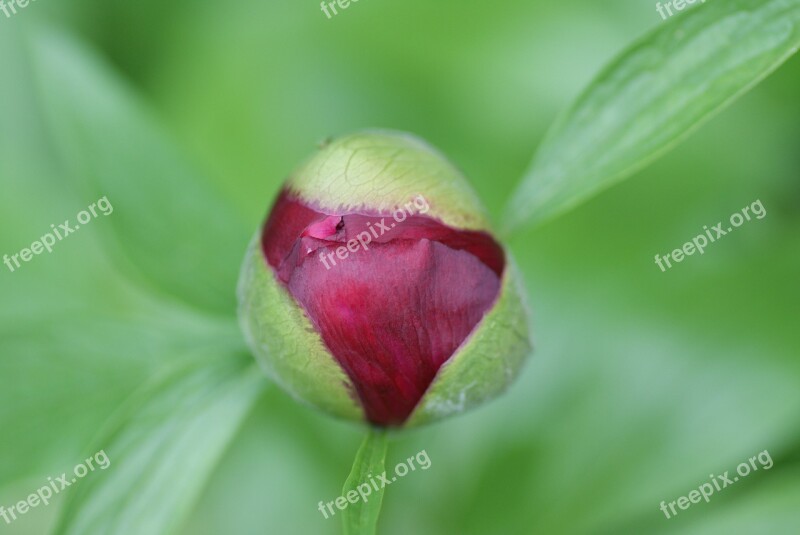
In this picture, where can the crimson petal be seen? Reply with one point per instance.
(397, 308)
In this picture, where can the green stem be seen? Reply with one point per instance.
(364, 501)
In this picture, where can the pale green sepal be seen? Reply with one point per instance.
(488, 361)
(380, 171)
(287, 345)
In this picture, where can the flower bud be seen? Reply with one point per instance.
(375, 290)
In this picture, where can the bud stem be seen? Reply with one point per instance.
(361, 517)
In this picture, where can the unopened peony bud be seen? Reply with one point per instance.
(375, 290)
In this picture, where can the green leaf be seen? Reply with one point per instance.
(170, 228)
(162, 449)
(361, 518)
(73, 329)
(78, 333)
(83, 366)
(652, 96)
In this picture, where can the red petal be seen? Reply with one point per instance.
(395, 308)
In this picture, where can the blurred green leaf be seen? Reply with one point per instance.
(76, 337)
(65, 373)
(652, 96)
(361, 518)
(162, 449)
(170, 228)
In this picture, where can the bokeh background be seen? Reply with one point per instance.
(643, 383)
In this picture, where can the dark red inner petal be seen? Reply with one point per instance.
(399, 303)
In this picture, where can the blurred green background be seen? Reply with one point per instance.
(643, 383)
